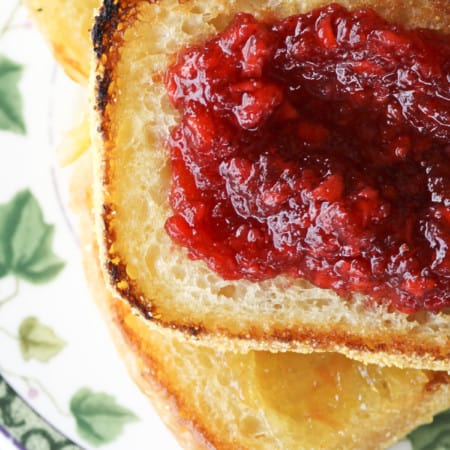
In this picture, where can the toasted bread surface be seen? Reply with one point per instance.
(66, 26)
(135, 42)
(215, 399)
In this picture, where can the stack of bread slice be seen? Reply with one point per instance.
(228, 364)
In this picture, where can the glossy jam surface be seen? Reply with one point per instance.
(317, 146)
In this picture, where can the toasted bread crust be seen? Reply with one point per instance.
(372, 341)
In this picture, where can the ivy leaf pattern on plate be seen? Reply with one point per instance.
(38, 341)
(26, 241)
(432, 436)
(11, 116)
(99, 418)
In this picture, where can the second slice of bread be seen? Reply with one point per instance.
(135, 42)
(66, 26)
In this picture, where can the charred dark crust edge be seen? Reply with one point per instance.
(105, 25)
(107, 36)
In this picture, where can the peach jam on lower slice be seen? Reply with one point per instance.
(317, 146)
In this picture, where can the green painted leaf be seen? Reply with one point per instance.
(432, 436)
(7, 224)
(38, 341)
(99, 418)
(26, 240)
(11, 116)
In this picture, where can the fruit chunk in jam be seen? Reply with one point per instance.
(317, 146)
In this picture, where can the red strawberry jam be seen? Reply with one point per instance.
(317, 146)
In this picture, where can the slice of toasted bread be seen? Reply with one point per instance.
(134, 43)
(214, 399)
(66, 26)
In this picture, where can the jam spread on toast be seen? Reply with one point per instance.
(317, 146)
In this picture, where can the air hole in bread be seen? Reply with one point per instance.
(420, 317)
(251, 425)
(197, 9)
(191, 23)
(139, 208)
(318, 303)
(211, 278)
(228, 291)
(178, 272)
(205, 360)
(151, 256)
(159, 195)
(166, 106)
(220, 21)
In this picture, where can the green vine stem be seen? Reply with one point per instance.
(7, 25)
(8, 333)
(30, 382)
(12, 295)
